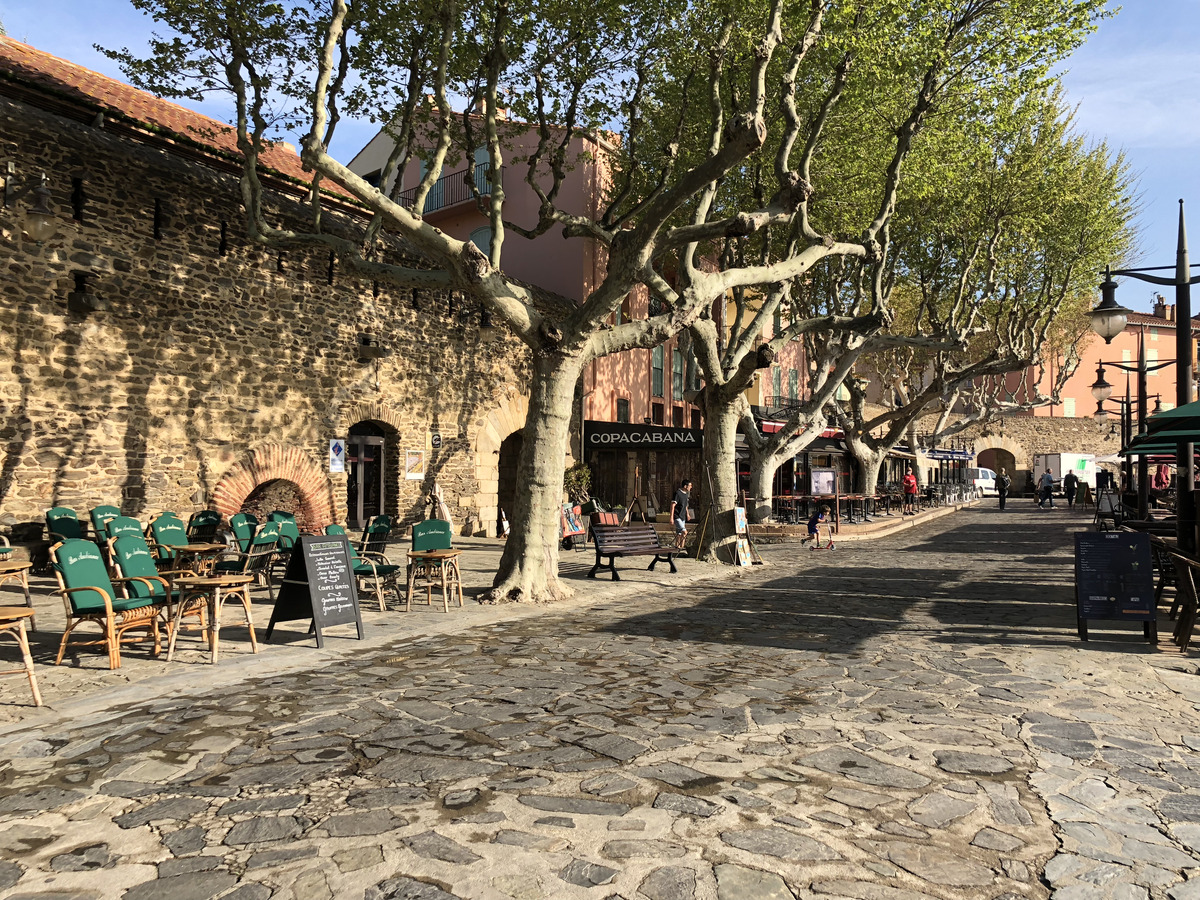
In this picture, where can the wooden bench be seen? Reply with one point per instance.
(630, 540)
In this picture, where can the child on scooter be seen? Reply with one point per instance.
(814, 529)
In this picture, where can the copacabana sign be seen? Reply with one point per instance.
(624, 436)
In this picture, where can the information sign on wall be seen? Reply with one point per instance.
(414, 465)
(337, 455)
(822, 482)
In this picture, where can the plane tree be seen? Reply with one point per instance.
(674, 100)
(999, 264)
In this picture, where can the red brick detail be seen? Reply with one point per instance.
(275, 461)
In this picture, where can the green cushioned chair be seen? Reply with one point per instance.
(167, 531)
(62, 524)
(101, 516)
(289, 531)
(122, 525)
(203, 526)
(243, 526)
(256, 559)
(371, 567)
(88, 596)
(5, 548)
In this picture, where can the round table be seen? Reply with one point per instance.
(12, 623)
(19, 571)
(200, 555)
(425, 562)
(212, 590)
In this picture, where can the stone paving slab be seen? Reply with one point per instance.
(887, 723)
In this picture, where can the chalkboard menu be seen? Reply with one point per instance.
(319, 585)
(1114, 579)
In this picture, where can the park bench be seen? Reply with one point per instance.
(630, 540)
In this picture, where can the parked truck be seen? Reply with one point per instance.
(1059, 464)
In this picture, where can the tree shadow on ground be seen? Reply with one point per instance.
(993, 598)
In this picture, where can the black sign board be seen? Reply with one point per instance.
(624, 436)
(319, 585)
(1114, 579)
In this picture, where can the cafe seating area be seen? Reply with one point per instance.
(129, 585)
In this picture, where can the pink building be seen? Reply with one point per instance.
(1157, 333)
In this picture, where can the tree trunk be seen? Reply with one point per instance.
(763, 467)
(868, 471)
(720, 458)
(867, 460)
(529, 565)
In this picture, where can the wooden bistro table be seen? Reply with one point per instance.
(199, 557)
(14, 570)
(213, 591)
(423, 563)
(12, 623)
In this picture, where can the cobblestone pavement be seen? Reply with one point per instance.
(907, 719)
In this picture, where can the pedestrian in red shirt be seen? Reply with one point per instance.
(910, 492)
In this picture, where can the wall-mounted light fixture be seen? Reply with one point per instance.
(488, 332)
(369, 347)
(81, 300)
(40, 223)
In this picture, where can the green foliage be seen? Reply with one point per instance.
(577, 481)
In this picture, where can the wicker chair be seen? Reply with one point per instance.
(89, 596)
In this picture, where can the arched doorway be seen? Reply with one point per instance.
(997, 458)
(368, 458)
(506, 486)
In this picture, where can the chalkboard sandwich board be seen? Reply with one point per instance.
(319, 585)
(1114, 580)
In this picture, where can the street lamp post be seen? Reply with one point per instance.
(1109, 319)
(1102, 391)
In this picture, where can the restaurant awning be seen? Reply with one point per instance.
(1181, 418)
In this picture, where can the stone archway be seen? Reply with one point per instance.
(1003, 443)
(271, 462)
(500, 424)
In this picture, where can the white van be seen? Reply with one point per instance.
(983, 480)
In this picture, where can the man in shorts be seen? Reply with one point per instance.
(679, 512)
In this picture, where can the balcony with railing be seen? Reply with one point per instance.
(452, 189)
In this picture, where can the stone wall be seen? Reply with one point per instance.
(1026, 436)
(215, 361)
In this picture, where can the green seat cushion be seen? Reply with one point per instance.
(121, 603)
(381, 569)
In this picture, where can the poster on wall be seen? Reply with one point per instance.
(337, 455)
(822, 482)
(414, 465)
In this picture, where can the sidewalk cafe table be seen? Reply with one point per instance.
(789, 508)
(212, 591)
(12, 623)
(423, 564)
(13, 570)
(198, 557)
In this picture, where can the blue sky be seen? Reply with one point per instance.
(1136, 83)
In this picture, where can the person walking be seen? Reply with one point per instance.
(910, 492)
(679, 512)
(1046, 491)
(1070, 485)
(1003, 483)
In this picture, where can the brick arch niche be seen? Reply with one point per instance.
(273, 462)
